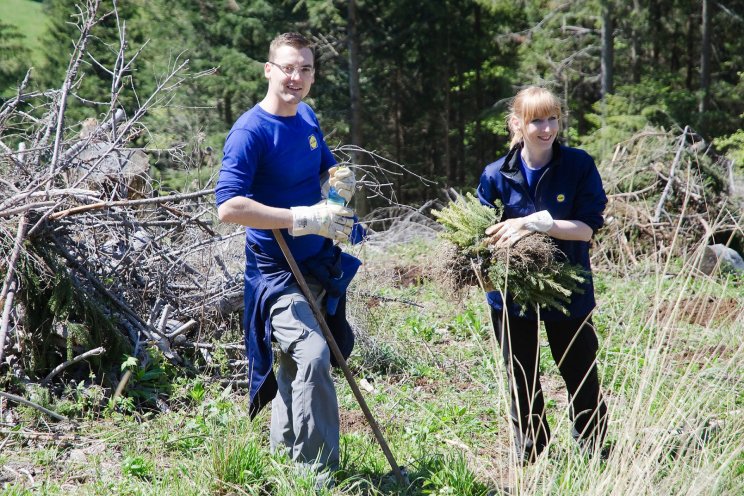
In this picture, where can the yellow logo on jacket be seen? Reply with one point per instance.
(313, 141)
(561, 198)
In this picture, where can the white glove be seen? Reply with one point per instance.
(342, 178)
(540, 221)
(325, 219)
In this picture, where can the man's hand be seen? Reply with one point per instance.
(324, 219)
(512, 230)
(342, 178)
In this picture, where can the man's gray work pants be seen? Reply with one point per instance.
(304, 413)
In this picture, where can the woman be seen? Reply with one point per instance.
(550, 188)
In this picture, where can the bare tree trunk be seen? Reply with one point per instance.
(656, 28)
(690, 49)
(445, 115)
(705, 58)
(460, 122)
(635, 42)
(399, 138)
(398, 111)
(360, 201)
(608, 49)
(479, 98)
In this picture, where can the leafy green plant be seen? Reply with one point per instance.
(420, 327)
(733, 146)
(468, 324)
(450, 475)
(149, 381)
(85, 399)
(137, 466)
(197, 392)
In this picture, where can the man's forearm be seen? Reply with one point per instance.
(250, 213)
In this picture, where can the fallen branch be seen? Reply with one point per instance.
(24, 401)
(668, 187)
(129, 203)
(62, 366)
(9, 284)
(51, 436)
(122, 384)
(188, 325)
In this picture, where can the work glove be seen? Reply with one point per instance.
(540, 221)
(342, 180)
(510, 231)
(324, 219)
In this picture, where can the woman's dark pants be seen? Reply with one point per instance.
(573, 344)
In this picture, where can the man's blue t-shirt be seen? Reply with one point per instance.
(276, 161)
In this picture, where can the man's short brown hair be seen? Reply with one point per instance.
(295, 40)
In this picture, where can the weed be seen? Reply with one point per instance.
(150, 380)
(469, 323)
(16, 490)
(449, 475)
(46, 456)
(137, 466)
(84, 399)
(239, 460)
(197, 392)
(420, 328)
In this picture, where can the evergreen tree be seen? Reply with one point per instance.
(94, 88)
(13, 58)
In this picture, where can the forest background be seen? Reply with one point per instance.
(424, 84)
(125, 323)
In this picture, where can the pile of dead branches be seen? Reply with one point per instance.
(96, 262)
(100, 268)
(669, 193)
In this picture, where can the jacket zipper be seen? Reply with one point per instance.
(537, 188)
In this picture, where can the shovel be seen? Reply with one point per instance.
(399, 474)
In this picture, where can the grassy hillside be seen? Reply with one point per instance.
(671, 362)
(29, 17)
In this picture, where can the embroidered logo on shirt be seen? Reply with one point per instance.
(313, 141)
(561, 198)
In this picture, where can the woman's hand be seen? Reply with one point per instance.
(508, 232)
(512, 230)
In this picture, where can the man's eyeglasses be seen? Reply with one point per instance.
(289, 70)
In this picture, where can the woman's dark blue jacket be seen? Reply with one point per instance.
(570, 189)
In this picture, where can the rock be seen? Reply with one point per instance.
(140, 240)
(715, 255)
(78, 456)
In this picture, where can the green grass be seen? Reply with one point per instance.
(30, 19)
(674, 390)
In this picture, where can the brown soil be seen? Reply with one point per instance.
(705, 355)
(410, 275)
(354, 421)
(703, 310)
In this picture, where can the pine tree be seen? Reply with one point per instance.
(529, 272)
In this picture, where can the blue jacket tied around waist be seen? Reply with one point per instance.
(265, 277)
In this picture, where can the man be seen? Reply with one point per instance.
(275, 169)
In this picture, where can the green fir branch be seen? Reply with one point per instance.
(549, 286)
